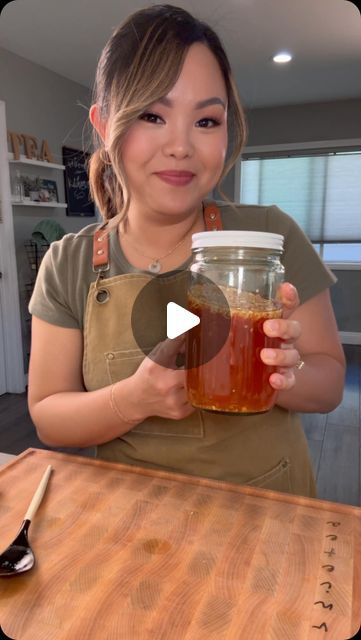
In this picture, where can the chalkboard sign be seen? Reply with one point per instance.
(76, 183)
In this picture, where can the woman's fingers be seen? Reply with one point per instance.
(281, 328)
(281, 357)
(288, 331)
(288, 297)
(283, 380)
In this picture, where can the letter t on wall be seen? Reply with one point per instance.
(16, 140)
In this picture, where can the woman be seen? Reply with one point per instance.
(169, 127)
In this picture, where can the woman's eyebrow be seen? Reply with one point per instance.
(199, 105)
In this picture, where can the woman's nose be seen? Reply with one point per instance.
(178, 144)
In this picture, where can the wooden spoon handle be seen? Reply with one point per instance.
(38, 495)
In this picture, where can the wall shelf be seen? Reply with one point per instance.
(51, 205)
(36, 163)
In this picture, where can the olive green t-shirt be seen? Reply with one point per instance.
(65, 274)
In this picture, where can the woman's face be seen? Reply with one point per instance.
(174, 154)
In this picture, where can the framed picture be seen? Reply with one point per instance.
(48, 191)
(76, 183)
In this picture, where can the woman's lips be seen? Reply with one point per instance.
(176, 178)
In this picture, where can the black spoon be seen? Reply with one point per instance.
(19, 556)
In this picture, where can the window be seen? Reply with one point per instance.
(322, 191)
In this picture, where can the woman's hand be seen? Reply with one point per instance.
(160, 385)
(286, 358)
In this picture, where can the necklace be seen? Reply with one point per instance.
(155, 265)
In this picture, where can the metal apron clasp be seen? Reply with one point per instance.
(101, 294)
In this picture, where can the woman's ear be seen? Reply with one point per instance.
(98, 123)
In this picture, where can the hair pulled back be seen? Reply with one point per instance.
(139, 65)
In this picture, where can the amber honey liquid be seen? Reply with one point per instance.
(235, 380)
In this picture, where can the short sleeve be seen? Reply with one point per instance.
(50, 300)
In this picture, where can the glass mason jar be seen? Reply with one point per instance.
(245, 266)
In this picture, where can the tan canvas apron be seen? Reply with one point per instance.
(268, 450)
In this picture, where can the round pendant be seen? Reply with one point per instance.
(154, 266)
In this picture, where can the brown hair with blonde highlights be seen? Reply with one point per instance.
(139, 65)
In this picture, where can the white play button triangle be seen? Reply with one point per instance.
(179, 320)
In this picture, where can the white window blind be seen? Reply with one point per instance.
(322, 192)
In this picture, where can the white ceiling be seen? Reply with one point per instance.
(67, 36)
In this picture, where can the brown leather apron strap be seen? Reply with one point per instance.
(212, 221)
(100, 250)
(212, 218)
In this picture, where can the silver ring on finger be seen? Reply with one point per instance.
(299, 365)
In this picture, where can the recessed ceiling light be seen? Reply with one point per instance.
(282, 57)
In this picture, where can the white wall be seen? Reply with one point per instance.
(45, 105)
(338, 120)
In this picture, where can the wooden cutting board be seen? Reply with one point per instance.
(125, 553)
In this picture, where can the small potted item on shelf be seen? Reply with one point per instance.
(27, 187)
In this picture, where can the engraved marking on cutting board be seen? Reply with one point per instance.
(325, 603)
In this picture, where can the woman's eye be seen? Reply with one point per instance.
(208, 123)
(153, 118)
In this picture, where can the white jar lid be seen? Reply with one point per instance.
(255, 239)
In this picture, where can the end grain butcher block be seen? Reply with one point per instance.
(125, 553)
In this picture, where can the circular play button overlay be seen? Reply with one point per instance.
(180, 319)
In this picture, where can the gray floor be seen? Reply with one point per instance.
(334, 438)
